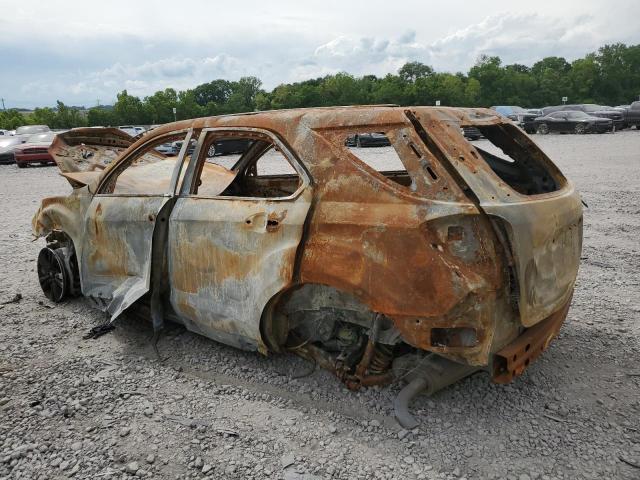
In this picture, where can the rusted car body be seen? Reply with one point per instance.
(461, 257)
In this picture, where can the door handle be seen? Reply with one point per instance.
(269, 222)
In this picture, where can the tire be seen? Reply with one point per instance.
(212, 151)
(543, 129)
(21, 165)
(52, 274)
(580, 128)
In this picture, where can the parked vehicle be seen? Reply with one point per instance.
(27, 130)
(369, 139)
(445, 267)
(509, 111)
(527, 122)
(132, 130)
(572, 122)
(616, 116)
(35, 150)
(471, 133)
(4, 133)
(228, 147)
(523, 118)
(7, 147)
(632, 115)
(167, 149)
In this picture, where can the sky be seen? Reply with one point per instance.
(83, 52)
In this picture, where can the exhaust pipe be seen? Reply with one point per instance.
(429, 375)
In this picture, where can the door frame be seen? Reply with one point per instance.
(117, 294)
(242, 334)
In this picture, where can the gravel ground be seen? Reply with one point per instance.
(108, 408)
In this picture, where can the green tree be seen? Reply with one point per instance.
(490, 75)
(44, 116)
(11, 119)
(101, 117)
(129, 109)
(412, 71)
(68, 117)
(216, 92)
(160, 105)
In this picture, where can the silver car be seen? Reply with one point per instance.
(7, 146)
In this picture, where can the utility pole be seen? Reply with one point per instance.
(3, 107)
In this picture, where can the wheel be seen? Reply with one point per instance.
(52, 274)
(21, 165)
(212, 151)
(543, 129)
(580, 128)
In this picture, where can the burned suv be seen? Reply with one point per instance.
(445, 259)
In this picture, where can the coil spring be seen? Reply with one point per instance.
(381, 359)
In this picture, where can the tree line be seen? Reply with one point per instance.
(609, 76)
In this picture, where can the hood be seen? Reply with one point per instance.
(87, 150)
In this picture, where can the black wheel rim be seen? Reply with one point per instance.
(212, 151)
(52, 275)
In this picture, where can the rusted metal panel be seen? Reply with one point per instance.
(88, 149)
(227, 258)
(545, 230)
(512, 360)
(116, 255)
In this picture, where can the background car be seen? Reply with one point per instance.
(373, 139)
(616, 116)
(35, 150)
(632, 115)
(27, 130)
(132, 130)
(523, 118)
(228, 147)
(471, 133)
(7, 146)
(572, 122)
(166, 149)
(4, 132)
(509, 111)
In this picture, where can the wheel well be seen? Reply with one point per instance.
(59, 240)
(317, 302)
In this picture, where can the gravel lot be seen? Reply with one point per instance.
(108, 408)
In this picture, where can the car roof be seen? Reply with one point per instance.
(366, 118)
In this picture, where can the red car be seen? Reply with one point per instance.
(35, 150)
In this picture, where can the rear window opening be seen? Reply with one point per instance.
(376, 150)
(518, 162)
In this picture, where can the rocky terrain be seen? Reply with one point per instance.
(109, 408)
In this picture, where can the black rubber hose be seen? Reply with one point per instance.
(401, 403)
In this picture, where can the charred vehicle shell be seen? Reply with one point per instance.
(457, 259)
